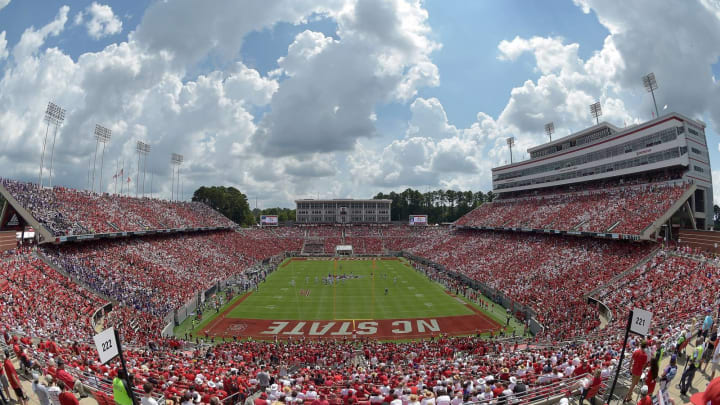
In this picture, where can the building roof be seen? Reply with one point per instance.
(618, 132)
(339, 200)
(575, 135)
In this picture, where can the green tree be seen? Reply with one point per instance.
(716, 217)
(229, 201)
(438, 205)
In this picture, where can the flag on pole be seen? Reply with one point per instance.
(121, 172)
(128, 180)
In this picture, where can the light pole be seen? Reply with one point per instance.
(176, 160)
(146, 152)
(510, 143)
(117, 173)
(102, 135)
(549, 129)
(54, 115)
(651, 85)
(58, 121)
(142, 149)
(596, 111)
(89, 170)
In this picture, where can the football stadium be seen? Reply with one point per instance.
(588, 271)
(366, 308)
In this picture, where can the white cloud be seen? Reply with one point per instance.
(310, 166)
(3, 46)
(680, 55)
(31, 39)
(246, 84)
(306, 46)
(102, 21)
(433, 153)
(4, 3)
(139, 89)
(429, 120)
(189, 32)
(327, 102)
(138, 94)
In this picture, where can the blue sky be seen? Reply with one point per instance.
(369, 96)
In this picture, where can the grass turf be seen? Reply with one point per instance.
(297, 292)
(396, 296)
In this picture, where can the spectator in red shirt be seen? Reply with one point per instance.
(596, 381)
(645, 398)
(70, 381)
(66, 397)
(261, 400)
(637, 364)
(13, 378)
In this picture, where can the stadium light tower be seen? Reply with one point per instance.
(596, 111)
(142, 149)
(511, 143)
(102, 135)
(176, 160)
(549, 129)
(146, 151)
(54, 115)
(651, 85)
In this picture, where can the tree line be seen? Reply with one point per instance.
(439, 205)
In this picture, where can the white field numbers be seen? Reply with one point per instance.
(106, 345)
(640, 323)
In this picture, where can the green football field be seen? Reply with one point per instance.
(297, 291)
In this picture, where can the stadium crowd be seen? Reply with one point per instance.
(467, 369)
(654, 287)
(160, 273)
(65, 211)
(620, 209)
(152, 276)
(37, 301)
(536, 270)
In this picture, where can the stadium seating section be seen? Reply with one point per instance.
(537, 270)
(61, 319)
(624, 210)
(66, 211)
(158, 274)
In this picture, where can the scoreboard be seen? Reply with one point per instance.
(418, 220)
(269, 220)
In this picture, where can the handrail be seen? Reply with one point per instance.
(624, 273)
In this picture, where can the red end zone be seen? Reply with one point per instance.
(385, 329)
